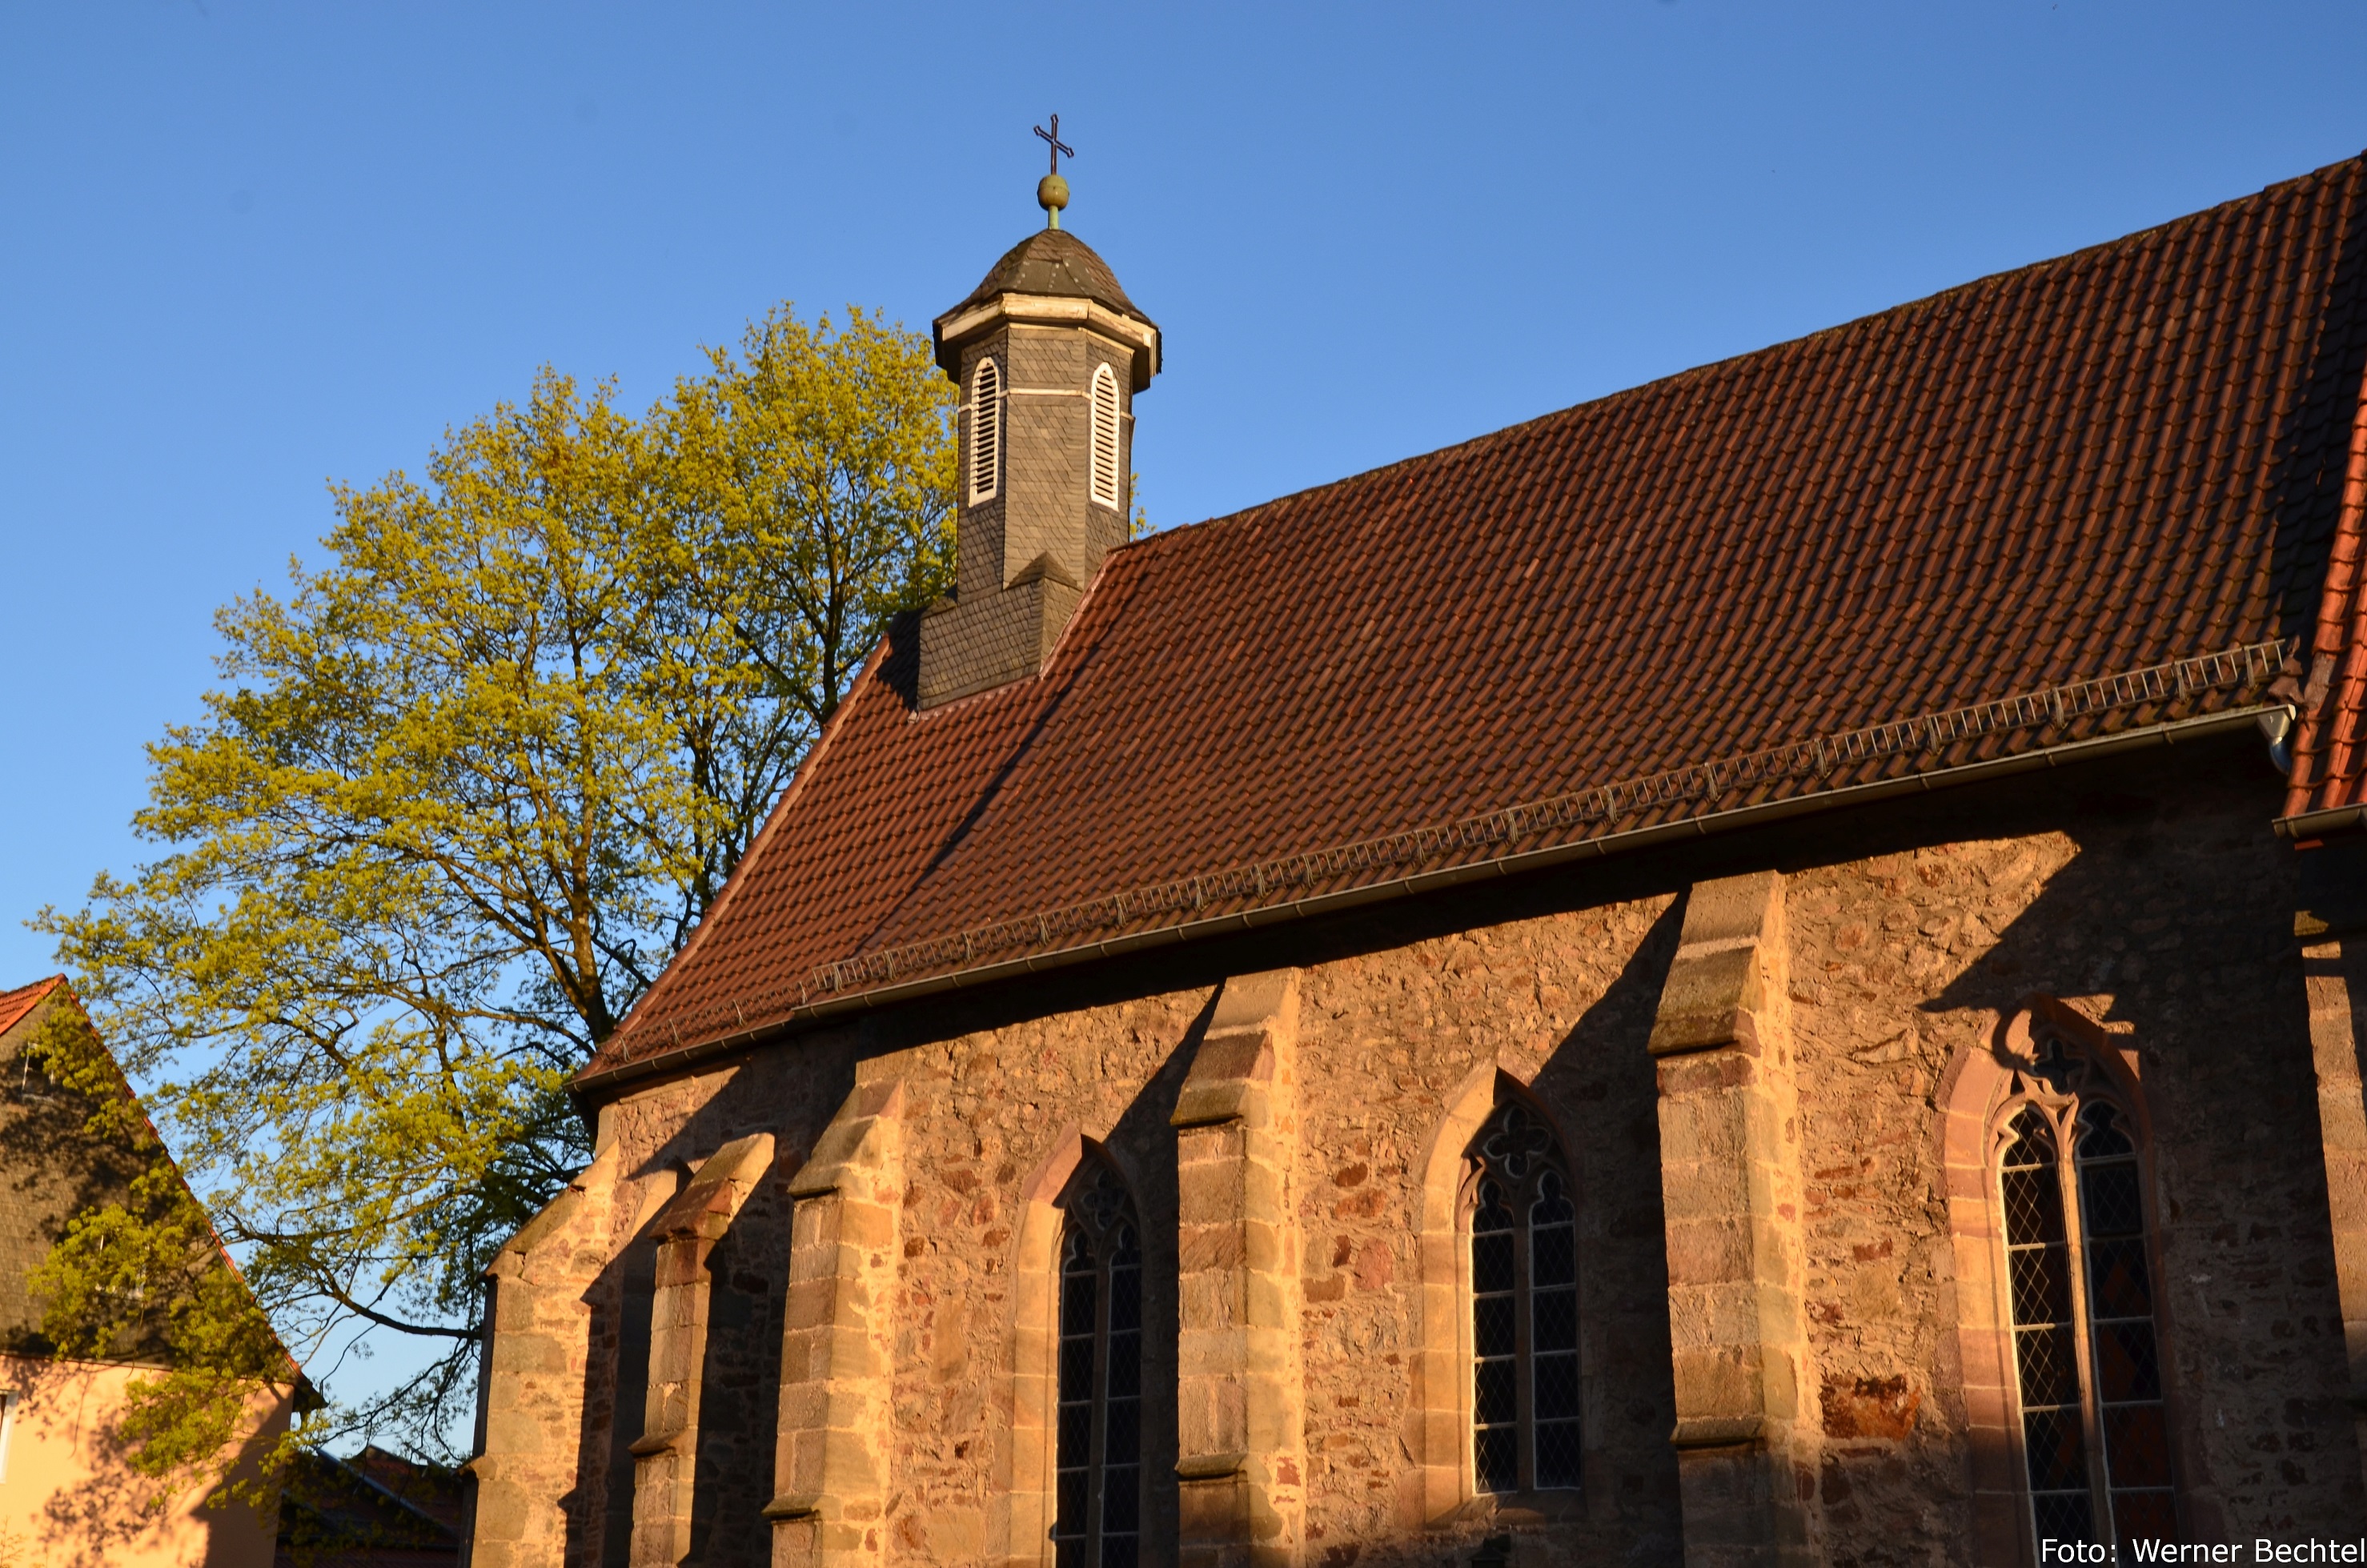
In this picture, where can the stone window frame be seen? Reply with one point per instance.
(1983, 1090)
(1027, 1393)
(1438, 1433)
(1527, 1187)
(983, 466)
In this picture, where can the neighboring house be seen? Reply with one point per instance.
(1761, 970)
(67, 1496)
(374, 1509)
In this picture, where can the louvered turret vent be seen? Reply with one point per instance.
(1108, 487)
(985, 431)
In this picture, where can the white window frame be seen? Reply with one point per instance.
(9, 1400)
(985, 431)
(1108, 446)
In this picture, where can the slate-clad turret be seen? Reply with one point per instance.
(1048, 353)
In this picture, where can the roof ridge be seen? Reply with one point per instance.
(1708, 367)
(353, 1469)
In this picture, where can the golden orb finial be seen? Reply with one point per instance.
(1051, 195)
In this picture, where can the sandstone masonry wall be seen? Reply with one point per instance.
(2169, 925)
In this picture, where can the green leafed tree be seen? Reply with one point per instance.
(463, 790)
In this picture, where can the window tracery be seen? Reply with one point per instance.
(1097, 1441)
(2087, 1360)
(1523, 1251)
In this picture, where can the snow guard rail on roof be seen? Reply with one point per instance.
(1799, 770)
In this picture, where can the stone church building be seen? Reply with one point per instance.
(1759, 970)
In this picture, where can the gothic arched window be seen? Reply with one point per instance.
(2087, 1360)
(1524, 1238)
(1097, 1454)
(1108, 489)
(985, 430)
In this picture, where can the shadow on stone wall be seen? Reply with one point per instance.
(2173, 921)
(739, 1408)
(1600, 1085)
(600, 1507)
(1144, 1143)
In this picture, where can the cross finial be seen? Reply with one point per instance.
(1059, 146)
(1052, 191)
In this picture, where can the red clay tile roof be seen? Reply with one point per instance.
(2122, 458)
(16, 1004)
(2330, 774)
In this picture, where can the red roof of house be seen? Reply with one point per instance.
(2087, 470)
(16, 1004)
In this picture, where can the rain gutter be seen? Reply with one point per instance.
(2314, 825)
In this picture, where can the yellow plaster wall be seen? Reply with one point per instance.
(68, 1499)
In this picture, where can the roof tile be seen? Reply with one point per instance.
(2118, 459)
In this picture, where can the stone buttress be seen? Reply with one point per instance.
(838, 1351)
(1730, 1186)
(1241, 1452)
(665, 1477)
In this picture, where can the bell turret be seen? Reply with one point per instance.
(1048, 353)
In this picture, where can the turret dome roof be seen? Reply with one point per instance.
(1052, 261)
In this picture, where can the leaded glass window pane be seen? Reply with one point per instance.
(1495, 1342)
(2121, 1330)
(2079, 1283)
(1097, 1494)
(2038, 1255)
(1525, 1388)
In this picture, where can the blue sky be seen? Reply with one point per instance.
(247, 249)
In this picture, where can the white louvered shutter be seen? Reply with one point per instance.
(985, 430)
(1108, 489)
